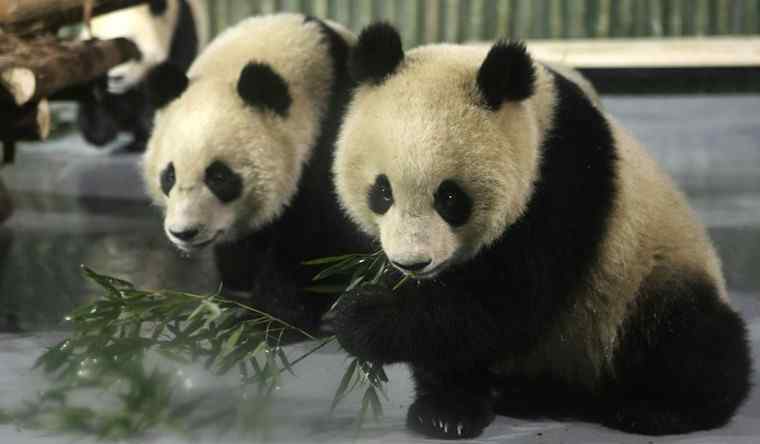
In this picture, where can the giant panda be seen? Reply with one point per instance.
(241, 154)
(555, 269)
(165, 31)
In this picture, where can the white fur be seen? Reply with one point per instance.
(391, 129)
(209, 121)
(151, 33)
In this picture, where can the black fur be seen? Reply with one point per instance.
(165, 83)
(168, 178)
(158, 7)
(269, 261)
(507, 74)
(500, 304)
(380, 196)
(683, 362)
(260, 86)
(224, 183)
(377, 55)
(452, 203)
(184, 45)
(103, 115)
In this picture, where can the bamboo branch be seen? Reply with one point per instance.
(25, 17)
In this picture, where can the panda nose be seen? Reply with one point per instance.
(184, 235)
(416, 266)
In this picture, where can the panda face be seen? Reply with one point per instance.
(429, 167)
(219, 167)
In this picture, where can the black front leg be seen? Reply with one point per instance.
(435, 327)
(450, 404)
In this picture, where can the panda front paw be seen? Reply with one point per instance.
(357, 320)
(459, 416)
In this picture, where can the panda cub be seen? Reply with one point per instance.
(172, 31)
(241, 154)
(559, 272)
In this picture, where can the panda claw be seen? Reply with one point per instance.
(446, 428)
(460, 429)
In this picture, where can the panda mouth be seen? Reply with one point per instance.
(187, 246)
(427, 274)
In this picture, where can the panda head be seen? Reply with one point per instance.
(439, 149)
(221, 159)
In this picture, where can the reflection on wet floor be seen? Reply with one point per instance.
(75, 205)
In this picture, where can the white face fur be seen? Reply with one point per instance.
(227, 180)
(457, 173)
(239, 131)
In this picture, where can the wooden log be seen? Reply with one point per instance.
(29, 122)
(26, 17)
(56, 65)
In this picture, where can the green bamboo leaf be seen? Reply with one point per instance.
(329, 260)
(325, 289)
(344, 382)
(232, 341)
(340, 267)
(285, 362)
(374, 401)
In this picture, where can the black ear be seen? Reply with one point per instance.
(165, 83)
(377, 54)
(157, 7)
(260, 86)
(506, 74)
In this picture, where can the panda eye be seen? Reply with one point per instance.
(223, 182)
(452, 203)
(380, 195)
(167, 179)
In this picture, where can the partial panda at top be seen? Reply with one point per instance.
(165, 31)
(241, 155)
(556, 269)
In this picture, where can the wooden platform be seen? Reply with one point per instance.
(662, 66)
(700, 52)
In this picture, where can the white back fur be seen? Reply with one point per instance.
(151, 33)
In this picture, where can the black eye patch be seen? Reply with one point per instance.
(167, 178)
(452, 203)
(380, 195)
(226, 184)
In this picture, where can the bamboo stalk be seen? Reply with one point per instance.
(25, 17)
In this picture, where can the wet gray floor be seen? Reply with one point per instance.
(78, 205)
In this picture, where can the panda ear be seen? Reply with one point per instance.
(507, 73)
(165, 83)
(377, 53)
(157, 7)
(261, 87)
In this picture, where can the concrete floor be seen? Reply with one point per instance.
(78, 205)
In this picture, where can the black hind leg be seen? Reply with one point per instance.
(683, 363)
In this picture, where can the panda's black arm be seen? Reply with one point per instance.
(439, 328)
